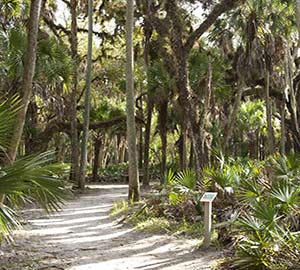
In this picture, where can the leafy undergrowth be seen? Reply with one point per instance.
(157, 215)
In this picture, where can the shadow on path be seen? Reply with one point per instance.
(83, 236)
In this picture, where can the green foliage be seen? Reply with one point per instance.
(106, 110)
(54, 63)
(252, 116)
(114, 170)
(181, 185)
(30, 179)
(8, 109)
(267, 224)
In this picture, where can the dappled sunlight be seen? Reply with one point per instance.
(87, 238)
(70, 221)
(114, 264)
(84, 236)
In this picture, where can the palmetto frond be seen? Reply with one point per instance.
(31, 178)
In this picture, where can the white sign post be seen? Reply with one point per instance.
(207, 199)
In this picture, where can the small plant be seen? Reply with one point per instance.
(120, 208)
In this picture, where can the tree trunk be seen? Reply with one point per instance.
(205, 113)
(74, 174)
(86, 116)
(162, 120)
(271, 148)
(183, 147)
(29, 70)
(133, 189)
(150, 105)
(122, 149)
(61, 147)
(141, 140)
(282, 129)
(97, 148)
(191, 161)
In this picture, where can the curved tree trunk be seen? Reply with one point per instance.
(30, 61)
(29, 70)
(133, 189)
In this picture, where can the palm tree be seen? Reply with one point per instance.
(33, 27)
(87, 100)
(134, 189)
(30, 179)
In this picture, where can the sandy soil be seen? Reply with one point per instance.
(83, 236)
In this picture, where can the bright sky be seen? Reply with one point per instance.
(63, 14)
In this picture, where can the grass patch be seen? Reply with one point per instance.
(156, 218)
(119, 208)
(154, 225)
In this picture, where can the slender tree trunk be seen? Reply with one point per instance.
(282, 129)
(150, 105)
(141, 139)
(86, 116)
(97, 148)
(162, 119)
(74, 175)
(150, 102)
(271, 149)
(191, 161)
(29, 70)
(122, 152)
(115, 159)
(134, 189)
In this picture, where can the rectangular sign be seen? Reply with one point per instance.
(208, 196)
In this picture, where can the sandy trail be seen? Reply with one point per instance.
(83, 236)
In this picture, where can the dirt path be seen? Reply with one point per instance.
(83, 237)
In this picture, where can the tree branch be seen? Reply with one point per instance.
(218, 10)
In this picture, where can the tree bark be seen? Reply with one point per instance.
(181, 52)
(150, 102)
(133, 189)
(162, 120)
(97, 148)
(74, 174)
(150, 105)
(183, 146)
(86, 116)
(282, 130)
(29, 70)
(205, 112)
(271, 148)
